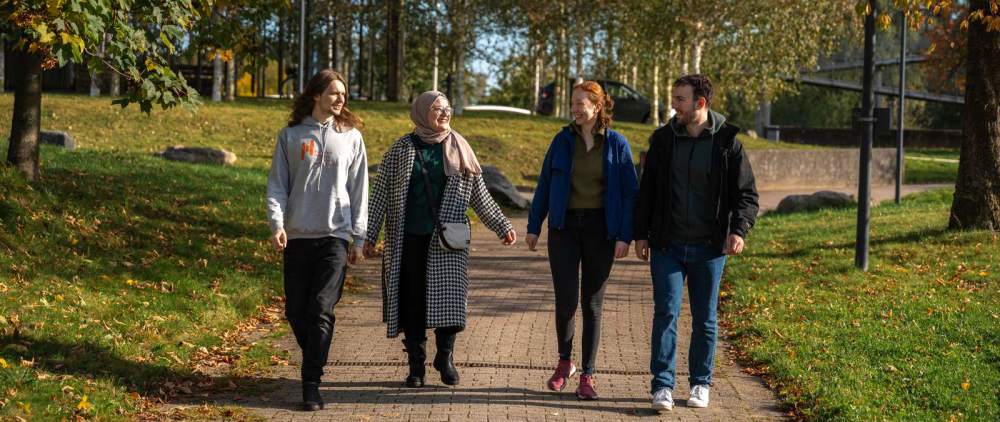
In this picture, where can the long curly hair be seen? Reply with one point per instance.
(600, 97)
(302, 106)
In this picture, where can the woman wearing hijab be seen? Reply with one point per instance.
(587, 189)
(427, 179)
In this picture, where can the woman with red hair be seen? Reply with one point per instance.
(587, 190)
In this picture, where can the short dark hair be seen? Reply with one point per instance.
(700, 84)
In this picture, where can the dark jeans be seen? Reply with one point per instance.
(702, 266)
(584, 240)
(413, 290)
(314, 281)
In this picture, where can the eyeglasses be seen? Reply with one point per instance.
(443, 110)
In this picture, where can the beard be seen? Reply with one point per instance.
(686, 117)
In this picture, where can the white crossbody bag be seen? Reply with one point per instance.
(453, 236)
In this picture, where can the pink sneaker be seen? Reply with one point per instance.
(586, 390)
(564, 371)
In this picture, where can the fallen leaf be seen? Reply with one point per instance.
(965, 385)
(84, 404)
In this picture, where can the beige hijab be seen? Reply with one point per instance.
(458, 155)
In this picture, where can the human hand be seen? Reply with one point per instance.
(531, 240)
(356, 255)
(734, 245)
(621, 249)
(369, 249)
(642, 249)
(279, 240)
(510, 238)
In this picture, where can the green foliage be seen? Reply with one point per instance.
(140, 32)
(914, 338)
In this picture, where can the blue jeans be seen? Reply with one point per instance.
(702, 265)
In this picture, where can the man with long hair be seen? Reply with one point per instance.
(697, 201)
(317, 208)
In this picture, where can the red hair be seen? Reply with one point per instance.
(600, 97)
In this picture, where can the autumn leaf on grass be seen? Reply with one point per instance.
(25, 407)
(965, 385)
(3, 364)
(83, 405)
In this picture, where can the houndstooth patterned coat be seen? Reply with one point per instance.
(447, 271)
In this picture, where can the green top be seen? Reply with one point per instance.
(587, 181)
(419, 218)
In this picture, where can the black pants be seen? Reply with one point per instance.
(314, 281)
(584, 240)
(413, 290)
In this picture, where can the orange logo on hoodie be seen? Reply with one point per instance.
(310, 149)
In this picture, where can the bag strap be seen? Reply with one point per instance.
(427, 186)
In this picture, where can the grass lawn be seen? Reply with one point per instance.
(121, 275)
(923, 171)
(916, 338)
(514, 143)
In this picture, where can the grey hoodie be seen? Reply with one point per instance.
(318, 185)
(692, 213)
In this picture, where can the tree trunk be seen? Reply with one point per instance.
(696, 49)
(538, 78)
(371, 52)
(281, 54)
(3, 71)
(95, 77)
(393, 64)
(579, 56)
(113, 77)
(216, 66)
(458, 103)
(361, 53)
(437, 32)
(231, 79)
(329, 39)
(977, 192)
(654, 112)
(199, 80)
(22, 152)
(560, 77)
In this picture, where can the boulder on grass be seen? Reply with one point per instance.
(197, 155)
(57, 137)
(818, 200)
(502, 190)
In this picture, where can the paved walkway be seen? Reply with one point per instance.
(506, 354)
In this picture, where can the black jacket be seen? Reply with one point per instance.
(733, 189)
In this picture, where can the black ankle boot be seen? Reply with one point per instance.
(311, 400)
(416, 352)
(443, 358)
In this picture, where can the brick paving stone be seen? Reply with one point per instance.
(506, 354)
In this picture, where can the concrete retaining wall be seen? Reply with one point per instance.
(821, 168)
(834, 137)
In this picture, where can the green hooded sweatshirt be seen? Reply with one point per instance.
(691, 207)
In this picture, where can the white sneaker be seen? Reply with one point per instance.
(663, 399)
(699, 396)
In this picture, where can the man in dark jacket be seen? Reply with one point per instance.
(696, 202)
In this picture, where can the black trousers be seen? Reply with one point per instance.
(314, 282)
(413, 290)
(582, 243)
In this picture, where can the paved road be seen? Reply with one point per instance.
(506, 354)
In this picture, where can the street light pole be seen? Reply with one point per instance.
(868, 120)
(902, 98)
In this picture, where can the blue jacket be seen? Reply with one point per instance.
(620, 185)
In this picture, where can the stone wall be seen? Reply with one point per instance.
(835, 137)
(778, 169)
